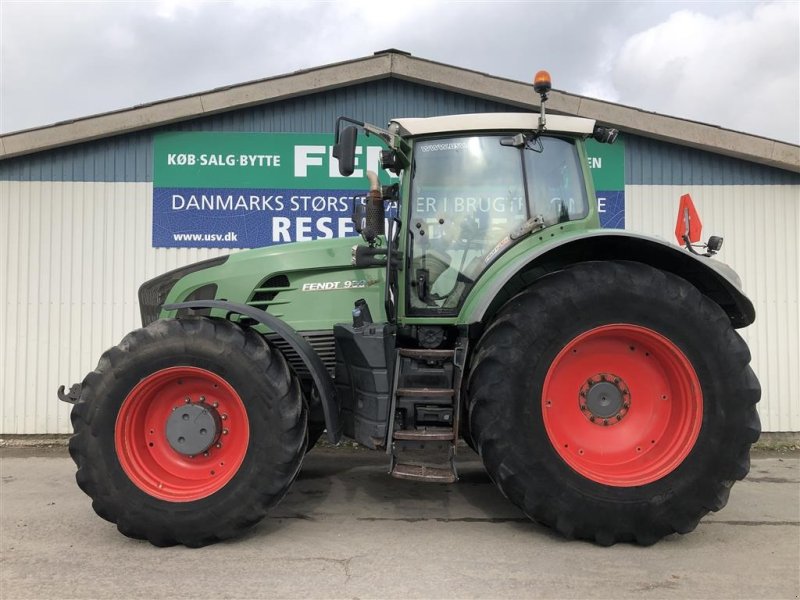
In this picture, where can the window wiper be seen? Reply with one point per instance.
(528, 227)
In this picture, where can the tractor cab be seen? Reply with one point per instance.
(473, 186)
(470, 196)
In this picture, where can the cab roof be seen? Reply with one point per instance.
(519, 121)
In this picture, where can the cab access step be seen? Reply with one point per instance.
(424, 414)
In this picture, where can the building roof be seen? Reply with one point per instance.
(401, 65)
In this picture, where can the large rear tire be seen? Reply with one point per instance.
(188, 431)
(613, 402)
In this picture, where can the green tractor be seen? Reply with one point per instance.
(597, 373)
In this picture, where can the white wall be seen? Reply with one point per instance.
(72, 256)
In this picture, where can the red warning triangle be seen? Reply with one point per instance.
(688, 221)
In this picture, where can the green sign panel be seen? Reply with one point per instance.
(607, 163)
(259, 161)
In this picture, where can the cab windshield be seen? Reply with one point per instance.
(468, 194)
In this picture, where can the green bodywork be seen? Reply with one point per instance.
(304, 264)
(307, 305)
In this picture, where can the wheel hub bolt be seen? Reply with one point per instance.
(604, 399)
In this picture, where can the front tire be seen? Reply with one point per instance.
(161, 481)
(613, 402)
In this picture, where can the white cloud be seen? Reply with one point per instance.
(740, 70)
(71, 59)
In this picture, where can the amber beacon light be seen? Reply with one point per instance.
(542, 82)
(542, 85)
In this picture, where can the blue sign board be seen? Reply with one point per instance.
(611, 208)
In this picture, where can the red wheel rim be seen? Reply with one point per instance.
(141, 441)
(657, 406)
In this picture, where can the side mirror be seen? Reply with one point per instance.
(344, 150)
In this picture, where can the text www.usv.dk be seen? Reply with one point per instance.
(231, 236)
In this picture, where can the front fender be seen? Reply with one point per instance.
(528, 260)
(320, 375)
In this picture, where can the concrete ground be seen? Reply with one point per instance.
(348, 530)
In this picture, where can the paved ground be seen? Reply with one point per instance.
(347, 530)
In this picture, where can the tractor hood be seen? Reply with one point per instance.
(311, 285)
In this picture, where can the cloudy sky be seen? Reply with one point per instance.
(734, 64)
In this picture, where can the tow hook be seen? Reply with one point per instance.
(72, 396)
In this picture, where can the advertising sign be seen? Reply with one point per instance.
(607, 165)
(248, 190)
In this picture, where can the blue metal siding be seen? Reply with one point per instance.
(123, 158)
(653, 162)
(129, 157)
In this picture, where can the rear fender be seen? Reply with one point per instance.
(322, 379)
(713, 278)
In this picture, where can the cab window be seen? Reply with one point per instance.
(467, 194)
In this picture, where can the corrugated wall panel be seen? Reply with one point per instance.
(73, 257)
(653, 162)
(761, 226)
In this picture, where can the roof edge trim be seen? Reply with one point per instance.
(183, 108)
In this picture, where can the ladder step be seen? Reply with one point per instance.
(433, 392)
(426, 434)
(424, 473)
(433, 354)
